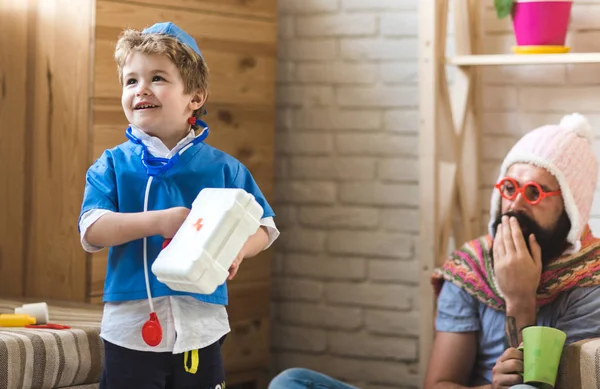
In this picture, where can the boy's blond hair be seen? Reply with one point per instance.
(191, 66)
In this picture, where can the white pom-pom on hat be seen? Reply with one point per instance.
(579, 124)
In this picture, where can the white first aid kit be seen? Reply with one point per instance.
(198, 258)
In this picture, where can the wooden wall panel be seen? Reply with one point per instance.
(235, 78)
(56, 264)
(97, 271)
(247, 344)
(13, 103)
(254, 8)
(108, 125)
(247, 133)
(112, 15)
(240, 53)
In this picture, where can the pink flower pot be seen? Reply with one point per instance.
(541, 22)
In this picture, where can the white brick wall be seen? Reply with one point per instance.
(346, 272)
(347, 191)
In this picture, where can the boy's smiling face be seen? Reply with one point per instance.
(153, 97)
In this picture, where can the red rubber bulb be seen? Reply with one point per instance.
(152, 331)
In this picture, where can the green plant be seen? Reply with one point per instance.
(503, 7)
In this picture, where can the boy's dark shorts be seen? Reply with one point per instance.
(131, 369)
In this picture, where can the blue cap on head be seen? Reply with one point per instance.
(169, 28)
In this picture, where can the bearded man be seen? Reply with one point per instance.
(539, 264)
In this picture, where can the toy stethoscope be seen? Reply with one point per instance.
(156, 165)
(152, 330)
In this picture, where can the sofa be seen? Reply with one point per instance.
(580, 366)
(46, 358)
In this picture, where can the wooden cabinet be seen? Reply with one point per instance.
(60, 108)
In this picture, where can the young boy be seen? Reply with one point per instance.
(138, 194)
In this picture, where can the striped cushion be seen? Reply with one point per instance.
(580, 366)
(43, 358)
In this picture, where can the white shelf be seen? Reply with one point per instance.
(523, 59)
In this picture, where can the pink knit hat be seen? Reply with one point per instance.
(565, 150)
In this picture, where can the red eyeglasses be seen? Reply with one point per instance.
(532, 191)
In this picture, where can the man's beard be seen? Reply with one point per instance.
(552, 242)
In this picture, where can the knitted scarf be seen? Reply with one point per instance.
(470, 268)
